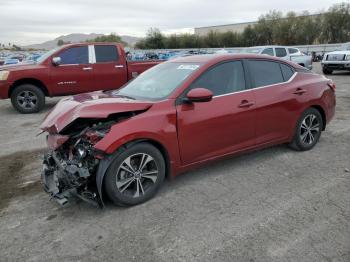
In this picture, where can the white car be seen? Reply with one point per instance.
(285, 52)
(337, 60)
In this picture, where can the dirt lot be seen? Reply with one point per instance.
(272, 205)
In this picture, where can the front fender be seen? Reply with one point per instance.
(157, 125)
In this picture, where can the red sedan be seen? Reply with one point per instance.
(176, 116)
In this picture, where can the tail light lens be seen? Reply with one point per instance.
(332, 86)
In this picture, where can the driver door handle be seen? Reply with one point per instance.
(119, 66)
(246, 103)
(299, 91)
(87, 68)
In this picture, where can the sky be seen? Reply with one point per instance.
(26, 22)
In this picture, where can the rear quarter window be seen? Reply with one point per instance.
(264, 73)
(287, 72)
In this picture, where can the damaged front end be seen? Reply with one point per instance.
(70, 167)
(73, 166)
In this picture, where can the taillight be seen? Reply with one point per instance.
(332, 86)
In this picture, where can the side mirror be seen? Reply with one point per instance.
(56, 61)
(199, 95)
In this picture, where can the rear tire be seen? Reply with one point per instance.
(327, 71)
(28, 99)
(135, 175)
(308, 130)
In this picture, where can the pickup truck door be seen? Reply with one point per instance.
(74, 73)
(109, 68)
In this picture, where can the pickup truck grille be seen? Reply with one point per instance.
(339, 57)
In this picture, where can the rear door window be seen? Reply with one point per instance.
(280, 52)
(75, 55)
(265, 72)
(106, 53)
(222, 79)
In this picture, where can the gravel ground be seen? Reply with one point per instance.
(271, 205)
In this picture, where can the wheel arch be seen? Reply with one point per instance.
(31, 81)
(157, 145)
(105, 162)
(323, 114)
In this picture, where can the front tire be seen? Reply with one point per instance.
(135, 175)
(308, 130)
(28, 99)
(327, 71)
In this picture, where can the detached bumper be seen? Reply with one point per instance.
(63, 181)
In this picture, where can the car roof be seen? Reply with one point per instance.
(216, 58)
(90, 43)
(271, 46)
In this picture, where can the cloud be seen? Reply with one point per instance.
(27, 22)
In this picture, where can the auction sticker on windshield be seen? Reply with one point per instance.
(187, 67)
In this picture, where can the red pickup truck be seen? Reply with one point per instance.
(66, 70)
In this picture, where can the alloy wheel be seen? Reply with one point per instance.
(136, 175)
(27, 99)
(309, 129)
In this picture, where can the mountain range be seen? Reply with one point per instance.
(76, 38)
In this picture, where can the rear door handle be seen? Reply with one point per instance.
(87, 68)
(246, 103)
(299, 91)
(119, 66)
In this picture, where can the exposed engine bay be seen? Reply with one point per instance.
(71, 165)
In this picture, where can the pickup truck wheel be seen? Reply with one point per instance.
(27, 99)
(327, 71)
(135, 175)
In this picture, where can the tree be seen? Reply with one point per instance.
(154, 39)
(172, 42)
(273, 28)
(112, 37)
(212, 39)
(16, 47)
(336, 23)
(249, 36)
(61, 42)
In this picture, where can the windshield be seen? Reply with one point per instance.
(345, 46)
(251, 50)
(47, 54)
(158, 82)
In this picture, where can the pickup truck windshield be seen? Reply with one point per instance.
(158, 82)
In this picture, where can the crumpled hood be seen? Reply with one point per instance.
(90, 105)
